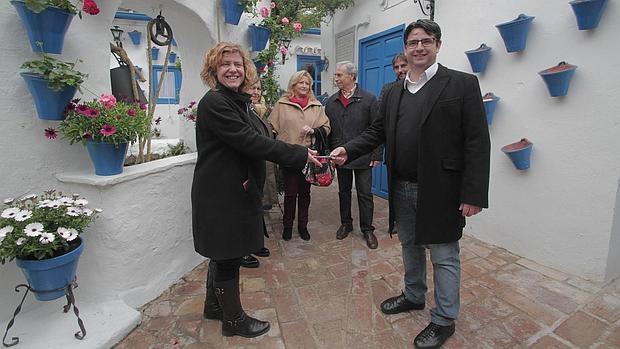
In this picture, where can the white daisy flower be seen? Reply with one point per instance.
(73, 211)
(34, 229)
(68, 234)
(10, 212)
(5, 230)
(29, 197)
(81, 202)
(23, 215)
(75, 196)
(87, 212)
(46, 238)
(65, 200)
(54, 204)
(98, 210)
(44, 203)
(20, 241)
(8, 201)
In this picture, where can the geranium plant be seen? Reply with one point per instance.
(58, 73)
(43, 226)
(190, 112)
(103, 120)
(88, 6)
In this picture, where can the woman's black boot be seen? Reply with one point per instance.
(287, 233)
(212, 309)
(236, 322)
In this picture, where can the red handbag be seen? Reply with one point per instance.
(320, 176)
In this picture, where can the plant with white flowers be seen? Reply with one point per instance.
(42, 226)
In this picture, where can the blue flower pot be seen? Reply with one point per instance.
(107, 158)
(259, 36)
(519, 152)
(232, 11)
(558, 78)
(50, 277)
(490, 102)
(588, 12)
(50, 104)
(48, 26)
(154, 53)
(135, 37)
(478, 58)
(172, 57)
(259, 65)
(514, 33)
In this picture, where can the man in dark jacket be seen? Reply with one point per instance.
(350, 112)
(437, 155)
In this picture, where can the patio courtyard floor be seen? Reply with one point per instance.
(325, 293)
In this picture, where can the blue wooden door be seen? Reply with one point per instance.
(309, 64)
(375, 70)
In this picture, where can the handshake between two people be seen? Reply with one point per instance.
(338, 156)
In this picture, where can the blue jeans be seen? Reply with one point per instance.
(445, 259)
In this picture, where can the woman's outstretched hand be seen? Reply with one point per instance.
(311, 158)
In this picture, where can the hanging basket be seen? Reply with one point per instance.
(107, 158)
(558, 78)
(232, 11)
(490, 102)
(154, 53)
(588, 12)
(49, 278)
(514, 33)
(47, 27)
(519, 153)
(172, 57)
(135, 37)
(259, 36)
(478, 58)
(50, 104)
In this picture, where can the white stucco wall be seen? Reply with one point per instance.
(559, 212)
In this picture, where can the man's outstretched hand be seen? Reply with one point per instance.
(339, 155)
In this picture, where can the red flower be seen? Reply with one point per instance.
(142, 106)
(92, 113)
(51, 133)
(191, 117)
(108, 130)
(181, 111)
(90, 7)
(131, 112)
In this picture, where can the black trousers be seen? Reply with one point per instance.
(363, 183)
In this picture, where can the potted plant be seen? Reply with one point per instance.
(47, 21)
(154, 53)
(135, 37)
(259, 36)
(42, 233)
(557, 78)
(232, 11)
(478, 58)
(190, 112)
(105, 126)
(490, 102)
(52, 84)
(588, 12)
(519, 153)
(514, 33)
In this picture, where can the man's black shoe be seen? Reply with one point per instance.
(303, 232)
(287, 234)
(371, 240)
(399, 304)
(263, 252)
(249, 262)
(344, 231)
(433, 336)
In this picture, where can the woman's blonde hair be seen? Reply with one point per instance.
(214, 57)
(297, 76)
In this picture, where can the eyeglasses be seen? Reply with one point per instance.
(425, 43)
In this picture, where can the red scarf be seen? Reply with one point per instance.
(303, 102)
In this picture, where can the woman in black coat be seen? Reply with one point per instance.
(227, 215)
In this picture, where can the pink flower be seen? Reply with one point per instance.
(142, 106)
(273, 5)
(191, 104)
(108, 101)
(270, 64)
(297, 26)
(181, 111)
(108, 130)
(131, 112)
(92, 113)
(90, 7)
(82, 109)
(87, 135)
(265, 12)
(51, 133)
(285, 20)
(191, 117)
(283, 50)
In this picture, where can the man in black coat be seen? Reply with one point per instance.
(437, 156)
(350, 112)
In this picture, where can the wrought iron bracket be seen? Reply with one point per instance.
(428, 9)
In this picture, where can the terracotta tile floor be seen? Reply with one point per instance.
(325, 293)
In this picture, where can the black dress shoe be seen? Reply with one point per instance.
(433, 336)
(344, 231)
(287, 233)
(263, 252)
(303, 233)
(399, 304)
(249, 261)
(371, 240)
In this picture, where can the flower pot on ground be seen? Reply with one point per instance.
(48, 26)
(135, 36)
(232, 11)
(154, 53)
(519, 153)
(588, 12)
(558, 78)
(107, 158)
(514, 33)
(478, 58)
(259, 36)
(172, 57)
(490, 102)
(52, 84)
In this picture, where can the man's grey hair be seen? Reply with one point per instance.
(349, 68)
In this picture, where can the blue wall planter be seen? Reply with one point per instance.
(48, 26)
(135, 37)
(154, 53)
(107, 158)
(259, 65)
(50, 104)
(478, 58)
(490, 102)
(514, 33)
(588, 12)
(172, 57)
(259, 36)
(519, 152)
(558, 78)
(49, 277)
(232, 11)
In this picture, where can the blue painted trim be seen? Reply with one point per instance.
(362, 57)
(301, 59)
(312, 31)
(132, 16)
(178, 80)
